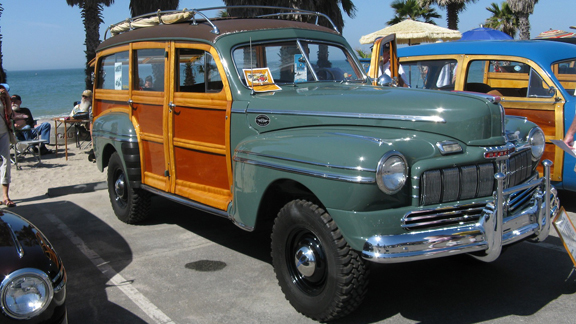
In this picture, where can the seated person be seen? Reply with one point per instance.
(83, 109)
(24, 122)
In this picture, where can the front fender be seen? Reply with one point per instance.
(337, 165)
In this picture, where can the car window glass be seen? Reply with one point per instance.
(565, 72)
(431, 74)
(149, 69)
(505, 78)
(197, 72)
(289, 64)
(113, 74)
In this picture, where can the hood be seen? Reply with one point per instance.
(22, 245)
(471, 119)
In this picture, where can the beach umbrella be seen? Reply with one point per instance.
(483, 33)
(411, 31)
(556, 33)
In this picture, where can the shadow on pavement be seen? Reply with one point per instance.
(460, 289)
(87, 299)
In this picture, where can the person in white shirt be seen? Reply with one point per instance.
(84, 107)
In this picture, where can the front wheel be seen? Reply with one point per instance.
(130, 205)
(320, 275)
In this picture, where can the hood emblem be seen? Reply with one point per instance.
(262, 120)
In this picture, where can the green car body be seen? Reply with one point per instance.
(397, 174)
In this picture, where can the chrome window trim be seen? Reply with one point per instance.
(323, 175)
(413, 118)
(307, 162)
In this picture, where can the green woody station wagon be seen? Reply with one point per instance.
(266, 120)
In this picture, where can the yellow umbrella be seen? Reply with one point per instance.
(411, 31)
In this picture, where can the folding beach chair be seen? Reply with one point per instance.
(22, 148)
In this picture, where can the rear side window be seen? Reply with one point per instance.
(197, 72)
(565, 72)
(113, 72)
(149, 69)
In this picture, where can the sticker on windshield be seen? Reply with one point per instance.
(260, 80)
(300, 72)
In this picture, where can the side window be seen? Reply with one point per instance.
(432, 74)
(149, 69)
(505, 78)
(565, 72)
(197, 72)
(113, 72)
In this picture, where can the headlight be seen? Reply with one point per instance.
(537, 142)
(25, 293)
(392, 172)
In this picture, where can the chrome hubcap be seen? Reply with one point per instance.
(305, 261)
(120, 186)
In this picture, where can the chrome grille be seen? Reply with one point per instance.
(427, 219)
(451, 184)
(472, 181)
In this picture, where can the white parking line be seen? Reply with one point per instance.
(115, 278)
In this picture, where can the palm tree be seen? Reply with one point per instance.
(522, 9)
(413, 10)
(502, 19)
(329, 7)
(140, 7)
(91, 11)
(453, 8)
(2, 72)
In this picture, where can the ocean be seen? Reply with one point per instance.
(48, 93)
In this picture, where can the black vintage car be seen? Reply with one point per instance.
(32, 276)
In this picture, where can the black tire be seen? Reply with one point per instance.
(320, 275)
(130, 205)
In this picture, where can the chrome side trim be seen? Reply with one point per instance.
(330, 166)
(17, 245)
(434, 119)
(186, 202)
(323, 175)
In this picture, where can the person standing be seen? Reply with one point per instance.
(24, 122)
(5, 129)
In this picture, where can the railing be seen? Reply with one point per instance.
(176, 16)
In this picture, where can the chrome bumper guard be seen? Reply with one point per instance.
(496, 227)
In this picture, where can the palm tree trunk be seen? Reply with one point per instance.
(523, 25)
(92, 18)
(2, 72)
(452, 15)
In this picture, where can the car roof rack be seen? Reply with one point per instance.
(176, 16)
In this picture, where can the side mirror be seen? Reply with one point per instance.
(387, 81)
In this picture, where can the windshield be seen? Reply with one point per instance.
(565, 72)
(298, 61)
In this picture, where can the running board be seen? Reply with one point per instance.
(186, 202)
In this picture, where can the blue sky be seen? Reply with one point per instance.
(49, 34)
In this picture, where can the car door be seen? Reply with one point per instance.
(149, 104)
(380, 47)
(199, 130)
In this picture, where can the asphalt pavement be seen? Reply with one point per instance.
(185, 266)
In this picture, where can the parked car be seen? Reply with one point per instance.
(534, 79)
(32, 276)
(244, 122)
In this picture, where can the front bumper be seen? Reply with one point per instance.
(497, 227)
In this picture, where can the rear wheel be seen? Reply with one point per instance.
(130, 205)
(320, 275)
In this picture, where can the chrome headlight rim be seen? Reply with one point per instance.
(384, 165)
(537, 142)
(30, 274)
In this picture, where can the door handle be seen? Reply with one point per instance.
(171, 106)
(130, 102)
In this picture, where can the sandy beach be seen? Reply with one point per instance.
(35, 179)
